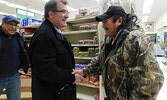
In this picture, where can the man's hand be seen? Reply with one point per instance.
(78, 72)
(78, 77)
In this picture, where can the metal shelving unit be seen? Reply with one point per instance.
(84, 91)
(84, 58)
(81, 20)
(79, 32)
(88, 85)
(85, 45)
(30, 26)
(28, 36)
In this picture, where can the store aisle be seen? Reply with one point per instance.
(163, 92)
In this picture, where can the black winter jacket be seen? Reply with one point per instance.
(52, 62)
(14, 64)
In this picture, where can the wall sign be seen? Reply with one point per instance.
(148, 26)
(21, 13)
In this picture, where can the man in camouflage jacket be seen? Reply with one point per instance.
(127, 62)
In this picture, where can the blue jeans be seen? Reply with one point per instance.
(12, 85)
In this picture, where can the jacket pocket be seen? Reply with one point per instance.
(63, 58)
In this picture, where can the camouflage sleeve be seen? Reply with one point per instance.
(93, 67)
(144, 77)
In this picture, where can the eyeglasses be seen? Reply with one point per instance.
(11, 25)
(63, 11)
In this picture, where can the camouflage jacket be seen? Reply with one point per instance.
(130, 71)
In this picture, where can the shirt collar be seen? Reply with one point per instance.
(58, 30)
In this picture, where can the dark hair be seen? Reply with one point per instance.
(128, 21)
(52, 6)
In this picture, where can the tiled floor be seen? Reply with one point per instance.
(163, 92)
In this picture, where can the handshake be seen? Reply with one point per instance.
(78, 75)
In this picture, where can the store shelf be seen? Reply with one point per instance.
(28, 36)
(85, 58)
(25, 82)
(86, 93)
(82, 20)
(79, 32)
(150, 33)
(87, 85)
(30, 26)
(85, 45)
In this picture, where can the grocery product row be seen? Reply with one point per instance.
(159, 43)
(91, 52)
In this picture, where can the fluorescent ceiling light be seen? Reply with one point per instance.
(3, 13)
(70, 8)
(13, 15)
(45, 0)
(98, 1)
(147, 6)
(4, 2)
(16, 6)
(37, 11)
(144, 18)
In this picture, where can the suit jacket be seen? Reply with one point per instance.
(52, 61)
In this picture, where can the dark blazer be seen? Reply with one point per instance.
(52, 61)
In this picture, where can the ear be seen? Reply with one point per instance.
(119, 21)
(51, 14)
(2, 23)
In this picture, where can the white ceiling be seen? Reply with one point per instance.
(158, 7)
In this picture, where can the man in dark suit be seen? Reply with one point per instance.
(51, 55)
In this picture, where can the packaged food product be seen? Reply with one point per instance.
(82, 15)
(97, 50)
(87, 14)
(81, 10)
(85, 41)
(86, 79)
(80, 54)
(91, 50)
(90, 41)
(91, 55)
(80, 27)
(76, 49)
(75, 54)
(77, 16)
(93, 26)
(91, 82)
(95, 38)
(92, 13)
(87, 27)
(84, 82)
(85, 54)
(86, 10)
(97, 83)
(81, 41)
(97, 96)
(93, 78)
